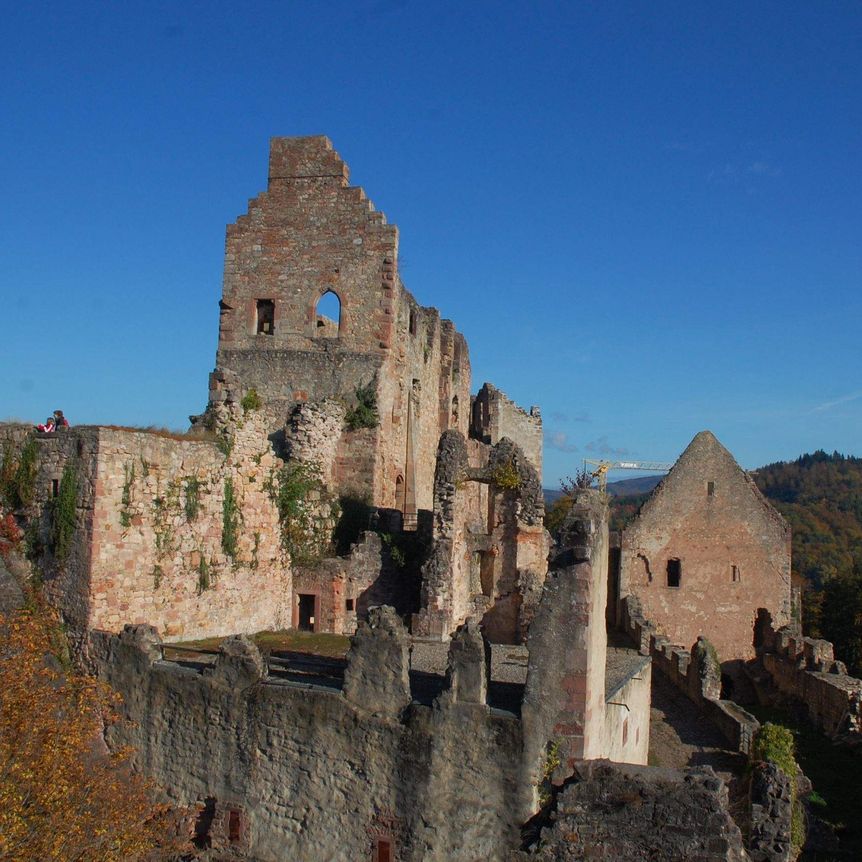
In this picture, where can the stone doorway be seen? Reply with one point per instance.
(306, 617)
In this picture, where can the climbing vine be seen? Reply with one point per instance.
(193, 501)
(64, 513)
(205, 577)
(126, 496)
(164, 508)
(296, 490)
(18, 475)
(230, 521)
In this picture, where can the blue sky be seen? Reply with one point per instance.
(644, 217)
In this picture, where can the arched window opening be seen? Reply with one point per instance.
(327, 317)
(265, 317)
(399, 493)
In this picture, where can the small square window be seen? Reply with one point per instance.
(348, 605)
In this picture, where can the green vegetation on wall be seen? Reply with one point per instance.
(205, 577)
(364, 413)
(126, 497)
(250, 401)
(297, 491)
(18, 475)
(230, 521)
(505, 476)
(775, 744)
(193, 497)
(64, 513)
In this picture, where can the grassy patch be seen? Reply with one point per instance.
(834, 771)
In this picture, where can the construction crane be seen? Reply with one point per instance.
(602, 467)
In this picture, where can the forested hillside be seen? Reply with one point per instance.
(820, 495)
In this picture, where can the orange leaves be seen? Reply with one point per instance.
(63, 795)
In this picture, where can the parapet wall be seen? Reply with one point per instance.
(805, 671)
(317, 772)
(696, 673)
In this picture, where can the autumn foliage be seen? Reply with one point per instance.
(63, 795)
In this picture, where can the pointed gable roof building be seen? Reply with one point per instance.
(706, 551)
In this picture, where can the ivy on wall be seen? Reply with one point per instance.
(230, 521)
(64, 513)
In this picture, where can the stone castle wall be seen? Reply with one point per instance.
(804, 671)
(308, 235)
(495, 416)
(732, 549)
(317, 773)
(141, 552)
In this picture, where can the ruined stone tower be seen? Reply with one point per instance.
(313, 309)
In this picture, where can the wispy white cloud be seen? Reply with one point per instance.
(560, 441)
(828, 405)
(602, 447)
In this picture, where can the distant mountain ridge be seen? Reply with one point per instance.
(623, 488)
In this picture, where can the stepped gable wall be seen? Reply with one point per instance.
(308, 235)
(325, 773)
(805, 671)
(148, 544)
(706, 551)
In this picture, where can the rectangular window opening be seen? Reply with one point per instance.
(348, 605)
(55, 487)
(265, 324)
(734, 574)
(710, 489)
(383, 850)
(233, 826)
(674, 572)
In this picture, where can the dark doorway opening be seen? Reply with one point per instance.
(384, 850)
(674, 572)
(306, 612)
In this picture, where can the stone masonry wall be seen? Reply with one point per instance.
(495, 416)
(148, 544)
(639, 814)
(804, 671)
(731, 546)
(310, 234)
(695, 673)
(323, 773)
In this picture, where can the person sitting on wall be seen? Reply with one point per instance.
(48, 426)
(60, 421)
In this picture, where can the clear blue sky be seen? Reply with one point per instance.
(645, 217)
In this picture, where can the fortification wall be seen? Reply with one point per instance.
(731, 551)
(804, 670)
(696, 673)
(625, 736)
(149, 532)
(323, 774)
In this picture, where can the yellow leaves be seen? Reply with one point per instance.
(62, 794)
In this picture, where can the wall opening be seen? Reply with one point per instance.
(265, 317)
(383, 851)
(399, 493)
(674, 572)
(327, 316)
(306, 612)
(710, 489)
(55, 487)
(734, 574)
(234, 829)
(625, 731)
(454, 409)
(411, 326)
(348, 604)
(486, 573)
